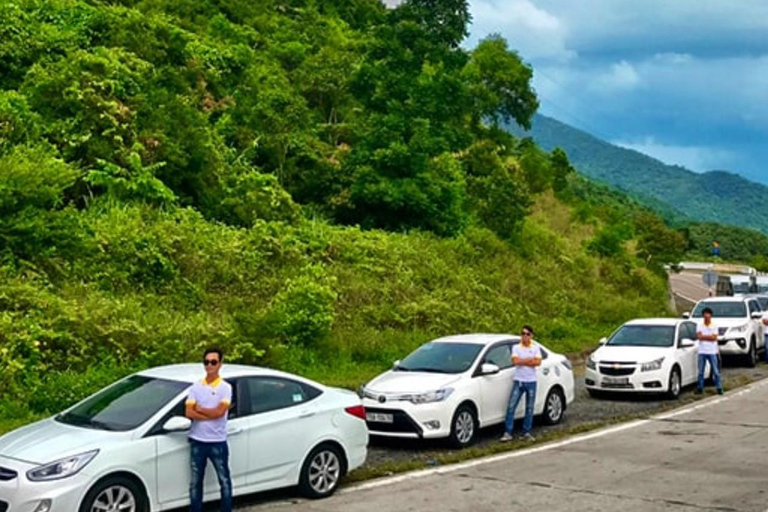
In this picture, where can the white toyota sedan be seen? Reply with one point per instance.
(453, 386)
(654, 355)
(125, 448)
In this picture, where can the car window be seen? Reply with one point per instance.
(266, 394)
(754, 307)
(501, 356)
(763, 301)
(687, 332)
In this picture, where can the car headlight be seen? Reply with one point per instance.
(62, 468)
(432, 396)
(740, 328)
(591, 364)
(653, 365)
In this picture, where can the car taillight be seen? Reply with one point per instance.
(358, 411)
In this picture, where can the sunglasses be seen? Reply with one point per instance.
(210, 362)
(526, 333)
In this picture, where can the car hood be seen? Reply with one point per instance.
(410, 382)
(49, 440)
(630, 354)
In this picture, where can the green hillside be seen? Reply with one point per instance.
(313, 185)
(717, 196)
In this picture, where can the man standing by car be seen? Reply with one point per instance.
(707, 335)
(526, 356)
(208, 406)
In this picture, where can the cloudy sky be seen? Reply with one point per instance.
(685, 81)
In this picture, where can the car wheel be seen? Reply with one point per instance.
(752, 354)
(554, 407)
(321, 472)
(464, 427)
(675, 384)
(115, 493)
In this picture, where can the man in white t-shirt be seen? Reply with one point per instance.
(706, 333)
(526, 356)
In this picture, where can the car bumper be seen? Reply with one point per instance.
(423, 421)
(21, 495)
(638, 382)
(733, 346)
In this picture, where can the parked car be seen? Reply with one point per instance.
(739, 323)
(451, 387)
(655, 355)
(125, 448)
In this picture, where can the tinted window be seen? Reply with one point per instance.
(501, 356)
(754, 307)
(125, 405)
(763, 301)
(721, 309)
(441, 358)
(643, 336)
(266, 394)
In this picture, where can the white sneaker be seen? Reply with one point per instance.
(528, 437)
(506, 437)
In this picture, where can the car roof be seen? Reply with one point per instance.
(725, 299)
(655, 321)
(477, 339)
(192, 372)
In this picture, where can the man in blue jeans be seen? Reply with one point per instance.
(208, 406)
(709, 349)
(526, 356)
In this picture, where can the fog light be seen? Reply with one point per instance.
(432, 425)
(742, 343)
(44, 506)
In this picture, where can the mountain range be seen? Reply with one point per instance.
(674, 191)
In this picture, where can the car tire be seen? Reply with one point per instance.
(751, 357)
(554, 407)
(321, 472)
(464, 427)
(115, 493)
(674, 384)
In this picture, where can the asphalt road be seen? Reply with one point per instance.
(711, 456)
(688, 285)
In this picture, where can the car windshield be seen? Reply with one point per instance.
(441, 358)
(722, 309)
(741, 287)
(643, 336)
(124, 405)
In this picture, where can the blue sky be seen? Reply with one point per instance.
(685, 81)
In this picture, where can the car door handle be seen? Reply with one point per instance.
(306, 414)
(234, 431)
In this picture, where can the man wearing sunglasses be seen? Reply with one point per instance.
(208, 406)
(526, 356)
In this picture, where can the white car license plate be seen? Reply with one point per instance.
(377, 417)
(615, 380)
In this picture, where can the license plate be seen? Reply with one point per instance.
(615, 380)
(377, 417)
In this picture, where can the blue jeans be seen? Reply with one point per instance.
(218, 454)
(518, 389)
(714, 363)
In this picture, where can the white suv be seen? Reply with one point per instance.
(739, 323)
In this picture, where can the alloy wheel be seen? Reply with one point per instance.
(324, 472)
(465, 427)
(116, 498)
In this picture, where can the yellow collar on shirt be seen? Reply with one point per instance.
(213, 384)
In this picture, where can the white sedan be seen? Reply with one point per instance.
(655, 355)
(453, 386)
(125, 448)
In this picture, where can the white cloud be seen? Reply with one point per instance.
(534, 32)
(622, 76)
(696, 158)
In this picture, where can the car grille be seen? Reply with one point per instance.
(7, 474)
(3, 506)
(401, 422)
(617, 369)
(722, 330)
(617, 385)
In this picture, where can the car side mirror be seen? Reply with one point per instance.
(489, 369)
(396, 365)
(603, 341)
(687, 343)
(757, 316)
(687, 315)
(177, 424)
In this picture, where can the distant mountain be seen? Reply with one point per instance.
(674, 191)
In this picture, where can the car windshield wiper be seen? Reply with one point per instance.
(426, 370)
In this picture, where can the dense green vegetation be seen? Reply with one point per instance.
(314, 185)
(677, 193)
